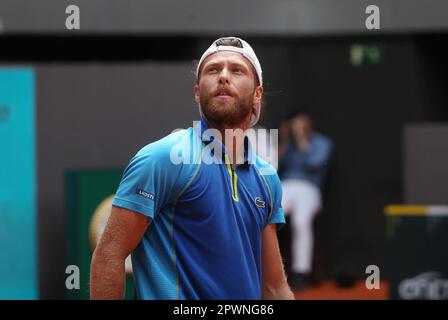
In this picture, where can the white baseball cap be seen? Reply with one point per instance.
(247, 51)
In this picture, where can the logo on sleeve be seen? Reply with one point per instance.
(145, 194)
(260, 203)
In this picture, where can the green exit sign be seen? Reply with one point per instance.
(361, 55)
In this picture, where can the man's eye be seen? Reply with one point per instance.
(211, 70)
(237, 70)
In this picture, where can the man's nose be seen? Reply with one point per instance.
(224, 76)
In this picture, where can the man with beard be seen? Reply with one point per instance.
(203, 227)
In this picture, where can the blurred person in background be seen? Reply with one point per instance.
(304, 155)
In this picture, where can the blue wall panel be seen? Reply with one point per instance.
(18, 239)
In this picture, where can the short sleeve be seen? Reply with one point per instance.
(277, 216)
(150, 181)
(270, 176)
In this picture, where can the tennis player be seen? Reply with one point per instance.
(204, 227)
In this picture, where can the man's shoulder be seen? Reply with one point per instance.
(321, 138)
(164, 147)
(266, 169)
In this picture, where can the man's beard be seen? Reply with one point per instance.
(227, 114)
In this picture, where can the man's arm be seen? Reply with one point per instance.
(319, 156)
(122, 234)
(275, 285)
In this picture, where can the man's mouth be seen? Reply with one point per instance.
(223, 93)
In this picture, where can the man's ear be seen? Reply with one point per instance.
(258, 94)
(197, 96)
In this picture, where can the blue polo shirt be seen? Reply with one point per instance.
(204, 239)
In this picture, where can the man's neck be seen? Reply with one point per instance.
(233, 141)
